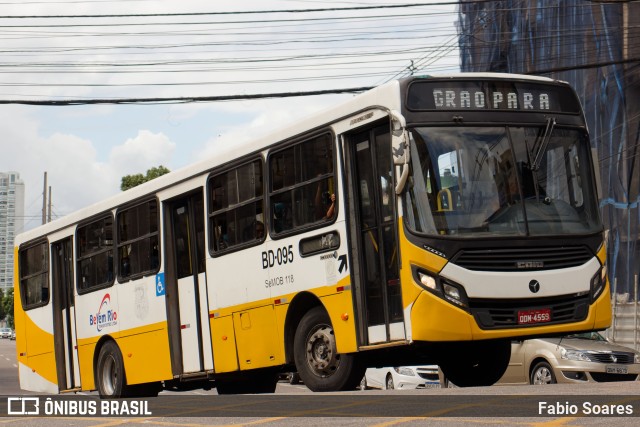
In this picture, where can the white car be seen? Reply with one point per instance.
(401, 378)
(5, 332)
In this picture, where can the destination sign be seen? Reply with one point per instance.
(494, 95)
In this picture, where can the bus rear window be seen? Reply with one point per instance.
(34, 275)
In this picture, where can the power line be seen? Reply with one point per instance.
(181, 100)
(243, 12)
(184, 100)
(321, 57)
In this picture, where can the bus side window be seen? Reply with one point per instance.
(302, 184)
(236, 203)
(95, 263)
(137, 241)
(281, 217)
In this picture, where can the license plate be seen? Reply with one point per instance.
(527, 317)
(615, 369)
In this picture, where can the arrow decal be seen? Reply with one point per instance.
(343, 263)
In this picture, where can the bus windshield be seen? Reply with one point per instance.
(483, 181)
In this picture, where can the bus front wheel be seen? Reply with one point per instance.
(318, 362)
(110, 376)
(476, 364)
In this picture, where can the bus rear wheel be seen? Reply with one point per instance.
(476, 364)
(110, 375)
(318, 362)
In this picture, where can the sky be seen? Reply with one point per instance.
(137, 49)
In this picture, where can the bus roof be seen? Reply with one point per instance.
(385, 96)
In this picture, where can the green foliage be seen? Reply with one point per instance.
(7, 308)
(130, 181)
(156, 172)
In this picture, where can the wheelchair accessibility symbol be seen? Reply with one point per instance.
(160, 290)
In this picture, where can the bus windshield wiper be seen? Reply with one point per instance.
(546, 137)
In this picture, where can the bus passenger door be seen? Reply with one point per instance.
(374, 243)
(186, 285)
(64, 316)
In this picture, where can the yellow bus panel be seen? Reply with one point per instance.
(340, 308)
(38, 353)
(85, 360)
(44, 365)
(146, 356)
(258, 344)
(223, 339)
(434, 319)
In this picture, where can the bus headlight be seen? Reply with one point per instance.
(598, 281)
(453, 294)
(427, 281)
(443, 288)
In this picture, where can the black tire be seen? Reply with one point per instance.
(363, 384)
(319, 364)
(258, 382)
(447, 384)
(144, 390)
(388, 383)
(294, 378)
(542, 374)
(476, 364)
(111, 380)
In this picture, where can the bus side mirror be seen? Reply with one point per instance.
(596, 171)
(400, 148)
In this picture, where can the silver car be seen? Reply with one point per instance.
(570, 359)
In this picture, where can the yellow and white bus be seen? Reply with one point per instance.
(429, 220)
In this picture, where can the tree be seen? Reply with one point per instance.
(130, 181)
(7, 307)
(3, 313)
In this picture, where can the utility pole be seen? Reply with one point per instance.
(49, 214)
(44, 200)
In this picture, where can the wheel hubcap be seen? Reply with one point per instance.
(321, 351)
(109, 375)
(542, 376)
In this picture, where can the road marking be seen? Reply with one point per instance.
(556, 422)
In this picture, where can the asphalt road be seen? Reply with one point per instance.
(295, 405)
